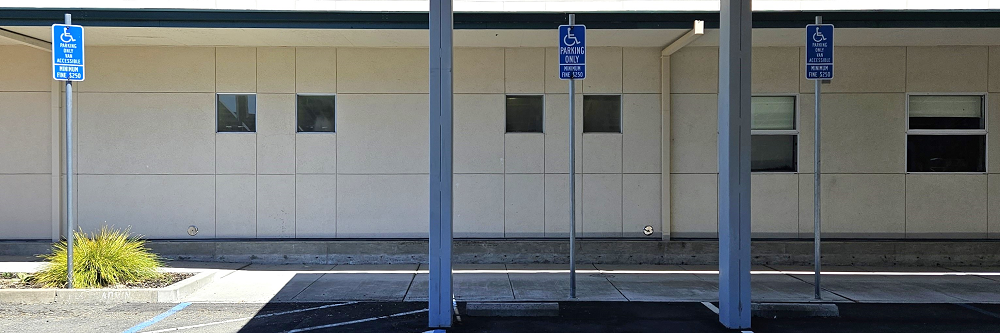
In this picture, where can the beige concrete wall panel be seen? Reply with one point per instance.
(316, 70)
(602, 205)
(524, 70)
(479, 133)
(315, 206)
(479, 208)
(946, 206)
(695, 70)
(382, 70)
(557, 133)
(602, 153)
(146, 133)
(276, 154)
(862, 206)
(524, 205)
(604, 71)
(641, 70)
(994, 66)
(276, 134)
(640, 204)
(236, 206)
(154, 206)
(236, 153)
(774, 205)
(554, 85)
(316, 153)
(476, 70)
(25, 69)
(863, 70)
(382, 206)
(805, 205)
(149, 69)
(382, 134)
(276, 69)
(993, 188)
(775, 70)
(694, 212)
(694, 133)
(862, 133)
(641, 133)
(26, 206)
(947, 69)
(524, 153)
(275, 206)
(25, 132)
(557, 204)
(235, 69)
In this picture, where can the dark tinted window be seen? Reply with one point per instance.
(773, 153)
(236, 112)
(524, 114)
(316, 113)
(602, 114)
(946, 153)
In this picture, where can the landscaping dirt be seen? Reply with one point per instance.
(20, 281)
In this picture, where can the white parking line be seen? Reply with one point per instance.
(355, 321)
(711, 306)
(254, 317)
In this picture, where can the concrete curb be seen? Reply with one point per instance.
(169, 294)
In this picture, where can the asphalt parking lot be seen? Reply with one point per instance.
(412, 317)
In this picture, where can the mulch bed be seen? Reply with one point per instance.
(16, 281)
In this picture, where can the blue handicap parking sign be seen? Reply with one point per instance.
(67, 52)
(572, 52)
(819, 51)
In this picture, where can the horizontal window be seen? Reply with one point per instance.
(946, 112)
(316, 113)
(602, 114)
(525, 114)
(236, 112)
(946, 133)
(774, 143)
(946, 153)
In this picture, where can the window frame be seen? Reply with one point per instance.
(621, 113)
(797, 132)
(948, 132)
(236, 93)
(336, 107)
(505, 132)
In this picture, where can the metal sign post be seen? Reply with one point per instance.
(67, 65)
(819, 66)
(572, 66)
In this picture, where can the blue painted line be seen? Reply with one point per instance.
(158, 318)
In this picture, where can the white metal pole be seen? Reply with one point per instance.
(816, 189)
(735, 40)
(572, 178)
(69, 177)
(440, 294)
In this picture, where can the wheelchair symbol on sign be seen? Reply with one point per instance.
(570, 37)
(818, 36)
(66, 37)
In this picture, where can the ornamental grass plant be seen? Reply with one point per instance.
(108, 257)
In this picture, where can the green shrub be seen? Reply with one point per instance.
(106, 258)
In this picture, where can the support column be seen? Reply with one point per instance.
(734, 163)
(441, 101)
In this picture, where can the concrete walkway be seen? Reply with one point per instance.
(253, 283)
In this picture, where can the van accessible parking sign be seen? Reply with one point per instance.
(819, 51)
(67, 52)
(572, 52)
